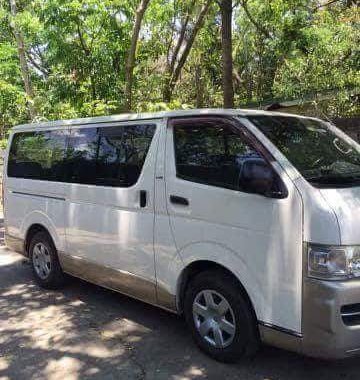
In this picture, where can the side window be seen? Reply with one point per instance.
(122, 154)
(81, 156)
(38, 155)
(109, 156)
(214, 154)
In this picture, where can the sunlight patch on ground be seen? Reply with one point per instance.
(66, 367)
(193, 372)
(37, 327)
(3, 364)
(124, 329)
(62, 334)
(8, 258)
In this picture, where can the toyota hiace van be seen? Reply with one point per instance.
(246, 222)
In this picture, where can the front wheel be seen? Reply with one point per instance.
(221, 320)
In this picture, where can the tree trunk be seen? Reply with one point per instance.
(24, 68)
(226, 44)
(189, 43)
(199, 86)
(130, 61)
(167, 92)
(175, 70)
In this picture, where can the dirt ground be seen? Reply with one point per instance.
(86, 332)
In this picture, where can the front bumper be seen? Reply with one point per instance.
(325, 334)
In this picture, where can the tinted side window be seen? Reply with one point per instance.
(81, 156)
(109, 156)
(37, 155)
(122, 154)
(212, 154)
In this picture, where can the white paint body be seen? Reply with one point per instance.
(260, 240)
(106, 226)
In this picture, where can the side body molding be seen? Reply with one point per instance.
(118, 280)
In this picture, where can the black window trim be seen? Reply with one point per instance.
(68, 129)
(235, 125)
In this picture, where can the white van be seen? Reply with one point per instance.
(247, 222)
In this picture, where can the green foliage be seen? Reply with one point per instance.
(332, 60)
(12, 106)
(76, 52)
(161, 106)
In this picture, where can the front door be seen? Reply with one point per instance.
(110, 206)
(215, 215)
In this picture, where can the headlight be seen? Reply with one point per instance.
(333, 262)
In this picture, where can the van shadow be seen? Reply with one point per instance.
(84, 331)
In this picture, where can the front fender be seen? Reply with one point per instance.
(229, 259)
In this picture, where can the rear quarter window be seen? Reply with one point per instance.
(37, 155)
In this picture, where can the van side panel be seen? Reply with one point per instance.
(110, 225)
(28, 202)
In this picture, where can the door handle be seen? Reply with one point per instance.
(142, 198)
(175, 199)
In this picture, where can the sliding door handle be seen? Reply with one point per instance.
(179, 200)
(142, 198)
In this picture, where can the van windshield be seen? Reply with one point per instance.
(323, 158)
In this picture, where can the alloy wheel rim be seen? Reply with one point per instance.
(214, 318)
(41, 260)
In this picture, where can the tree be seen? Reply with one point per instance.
(177, 57)
(25, 73)
(226, 9)
(77, 60)
(130, 61)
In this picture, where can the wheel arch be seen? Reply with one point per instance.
(36, 221)
(196, 267)
(31, 232)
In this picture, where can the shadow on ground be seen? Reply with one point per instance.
(85, 331)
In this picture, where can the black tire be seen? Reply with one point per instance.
(56, 277)
(245, 341)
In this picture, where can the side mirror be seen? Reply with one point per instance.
(257, 176)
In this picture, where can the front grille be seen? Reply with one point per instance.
(350, 314)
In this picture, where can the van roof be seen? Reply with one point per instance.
(147, 116)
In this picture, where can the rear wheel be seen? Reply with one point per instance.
(220, 318)
(45, 263)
